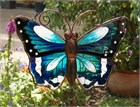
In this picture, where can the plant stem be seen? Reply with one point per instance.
(8, 68)
(9, 46)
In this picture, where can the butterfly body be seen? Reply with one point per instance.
(71, 46)
(87, 59)
(71, 49)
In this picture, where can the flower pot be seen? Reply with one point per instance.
(124, 83)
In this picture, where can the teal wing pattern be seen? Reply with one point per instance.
(92, 70)
(49, 70)
(104, 39)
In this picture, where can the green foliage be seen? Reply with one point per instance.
(17, 89)
(128, 55)
(116, 101)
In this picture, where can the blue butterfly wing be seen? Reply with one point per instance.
(92, 70)
(37, 39)
(49, 70)
(104, 39)
(96, 50)
(44, 48)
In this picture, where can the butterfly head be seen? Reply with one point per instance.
(71, 35)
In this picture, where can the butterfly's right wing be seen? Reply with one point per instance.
(92, 71)
(45, 50)
(95, 52)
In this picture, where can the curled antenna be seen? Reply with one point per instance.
(44, 18)
(82, 14)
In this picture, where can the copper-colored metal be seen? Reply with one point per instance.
(71, 49)
(51, 10)
(64, 17)
(78, 17)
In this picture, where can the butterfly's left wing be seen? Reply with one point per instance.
(95, 52)
(45, 50)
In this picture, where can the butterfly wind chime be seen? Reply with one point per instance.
(86, 58)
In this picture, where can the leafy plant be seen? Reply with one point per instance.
(128, 53)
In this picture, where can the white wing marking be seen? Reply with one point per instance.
(103, 66)
(54, 63)
(38, 65)
(94, 36)
(47, 34)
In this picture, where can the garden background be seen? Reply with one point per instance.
(16, 84)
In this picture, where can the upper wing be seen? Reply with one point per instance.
(103, 40)
(37, 39)
(92, 70)
(45, 50)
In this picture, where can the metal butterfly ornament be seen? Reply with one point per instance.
(87, 58)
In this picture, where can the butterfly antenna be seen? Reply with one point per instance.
(47, 18)
(82, 14)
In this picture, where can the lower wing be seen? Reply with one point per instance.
(49, 70)
(92, 70)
